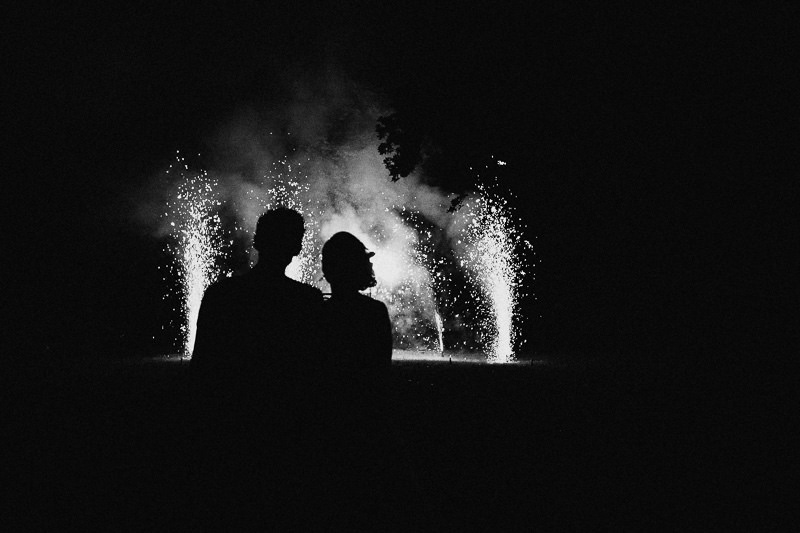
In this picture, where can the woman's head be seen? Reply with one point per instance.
(346, 262)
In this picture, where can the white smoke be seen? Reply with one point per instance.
(315, 150)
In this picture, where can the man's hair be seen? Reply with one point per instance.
(279, 231)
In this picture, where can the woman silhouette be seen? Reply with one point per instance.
(356, 414)
(358, 327)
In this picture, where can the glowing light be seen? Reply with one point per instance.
(196, 245)
(492, 237)
(388, 267)
(440, 330)
(412, 273)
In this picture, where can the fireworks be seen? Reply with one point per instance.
(491, 239)
(440, 331)
(412, 274)
(196, 243)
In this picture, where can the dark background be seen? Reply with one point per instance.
(653, 156)
(649, 150)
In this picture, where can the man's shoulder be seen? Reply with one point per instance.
(250, 282)
(219, 298)
(217, 288)
(224, 285)
(370, 304)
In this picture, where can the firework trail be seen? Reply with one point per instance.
(317, 153)
(196, 243)
(440, 331)
(490, 241)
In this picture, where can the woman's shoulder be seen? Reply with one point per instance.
(369, 301)
(376, 309)
(357, 301)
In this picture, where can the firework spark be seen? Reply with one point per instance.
(409, 268)
(196, 245)
(440, 331)
(492, 238)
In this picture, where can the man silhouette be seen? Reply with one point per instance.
(254, 355)
(261, 325)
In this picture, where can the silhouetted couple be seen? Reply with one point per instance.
(288, 382)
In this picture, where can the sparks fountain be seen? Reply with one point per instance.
(452, 278)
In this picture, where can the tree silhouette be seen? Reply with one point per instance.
(402, 145)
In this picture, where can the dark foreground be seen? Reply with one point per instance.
(596, 444)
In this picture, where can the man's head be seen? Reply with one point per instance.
(279, 235)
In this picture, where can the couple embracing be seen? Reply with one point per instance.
(289, 385)
(270, 326)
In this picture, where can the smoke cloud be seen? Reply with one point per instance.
(315, 150)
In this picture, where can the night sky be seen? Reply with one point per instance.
(648, 149)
